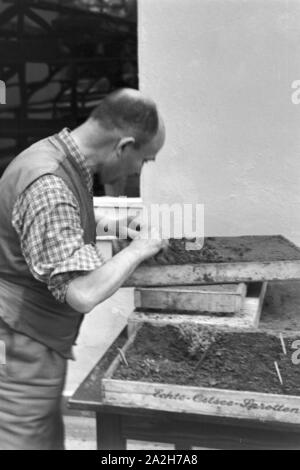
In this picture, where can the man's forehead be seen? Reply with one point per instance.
(154, 146)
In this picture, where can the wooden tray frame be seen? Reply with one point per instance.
(248, 317)
(214, 273)
(192, 298)
(251, 406)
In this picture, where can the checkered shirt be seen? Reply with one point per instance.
(46, 217)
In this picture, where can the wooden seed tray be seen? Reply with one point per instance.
(226, 260)
(247, 317)
(218, 298)
(250, 406)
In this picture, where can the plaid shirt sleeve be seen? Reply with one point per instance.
(46, 217)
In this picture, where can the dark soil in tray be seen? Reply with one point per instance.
(203, 357)
(89, 390)
(224, 250)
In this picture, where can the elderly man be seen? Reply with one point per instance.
(50, 271)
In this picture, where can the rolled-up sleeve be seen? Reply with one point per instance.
(47, 220)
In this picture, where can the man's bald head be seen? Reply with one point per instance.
(130, 112)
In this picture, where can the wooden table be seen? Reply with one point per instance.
(117, 424)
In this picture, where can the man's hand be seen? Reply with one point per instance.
(115, 226)
(146, 240)
(88, 290)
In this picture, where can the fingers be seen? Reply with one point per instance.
(132, 233)
(137, 223)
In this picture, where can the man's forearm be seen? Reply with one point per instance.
(87, 291)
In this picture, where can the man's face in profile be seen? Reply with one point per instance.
(131, 160)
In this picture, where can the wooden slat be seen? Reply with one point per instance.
(221, 434)
(203, 401)
(215, 299)
(262, 258)
(222, 273)
(247, 317)
(261, 300)
(109, 432)
(116, 202)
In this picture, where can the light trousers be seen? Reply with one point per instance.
(31, 386)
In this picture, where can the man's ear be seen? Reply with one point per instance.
(123, 144)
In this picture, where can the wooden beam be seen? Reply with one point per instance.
(109, 432)
(187, 400)
(214, 273)
(219, 298)
(247, 318)
(221, 434)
